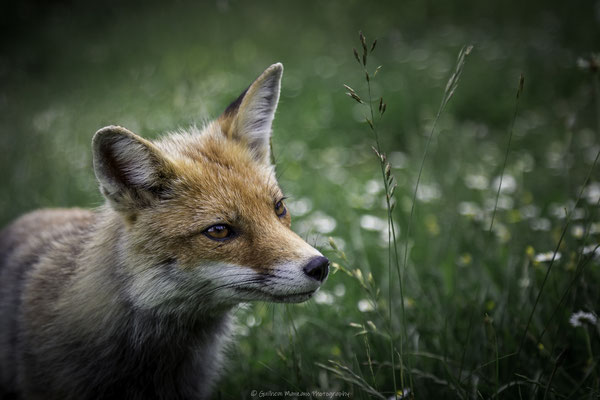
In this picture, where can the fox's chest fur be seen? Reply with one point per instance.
(133, 300)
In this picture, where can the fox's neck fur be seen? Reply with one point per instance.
(160, 343)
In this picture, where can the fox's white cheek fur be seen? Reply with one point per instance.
(154, 287)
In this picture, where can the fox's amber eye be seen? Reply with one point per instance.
(280, 209)
(219, 232)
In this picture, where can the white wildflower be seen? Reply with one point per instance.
(577, 231)
(592, 248)
(504, 203)
(476, 182)
(372, 223)
(323, 297)
(339, 290)
(509, 184)
(374, 186)
(299, 207)
(401, 394)
(580, 317)
(365, 305)
(398, 159)
(529, 211)
(541, 224)
(547, 256)
(470, 209)
(322, 222)
(592, 192)
(428, 192)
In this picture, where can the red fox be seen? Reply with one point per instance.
(134, 300)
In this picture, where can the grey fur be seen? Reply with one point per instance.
(131, 353)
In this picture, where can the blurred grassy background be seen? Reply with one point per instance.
(68, 69)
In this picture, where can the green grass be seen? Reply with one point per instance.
(484, 316)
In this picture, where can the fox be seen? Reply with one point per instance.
(136, 299)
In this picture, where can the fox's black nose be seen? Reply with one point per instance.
(317, 268)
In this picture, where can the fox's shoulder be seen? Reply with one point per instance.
(40, 229)
(45, 221)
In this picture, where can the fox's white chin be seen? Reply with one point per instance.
(253, 294)
(294, 298)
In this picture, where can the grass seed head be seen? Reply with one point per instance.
(372, 325)
(521, 83)
(356, 55)
(363, 41)
(355, 97)
(376, 152)
(373, 46)
(332, 243)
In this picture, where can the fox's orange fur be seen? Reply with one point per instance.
(132, 301)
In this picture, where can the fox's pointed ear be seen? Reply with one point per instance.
(249, 118)
(132, 171)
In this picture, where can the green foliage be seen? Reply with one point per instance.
(485, 309)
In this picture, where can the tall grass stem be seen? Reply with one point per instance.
(510, 135)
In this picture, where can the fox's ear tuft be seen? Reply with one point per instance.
(132, 172)
(249, 118)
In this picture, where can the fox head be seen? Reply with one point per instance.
(203, 221)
